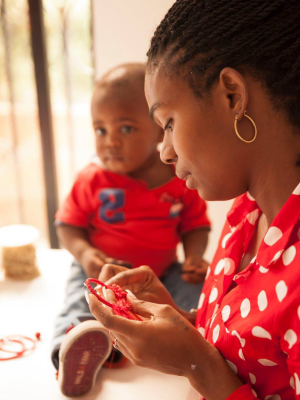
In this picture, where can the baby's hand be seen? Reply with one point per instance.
(194, 270)
(92, 261)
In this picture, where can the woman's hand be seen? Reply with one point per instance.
(164, 340)
(141, 281)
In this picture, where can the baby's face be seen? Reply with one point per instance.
(126, 137)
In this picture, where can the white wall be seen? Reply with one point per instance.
(122, 33)
(123, 29)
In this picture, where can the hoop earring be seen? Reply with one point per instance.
(254, 126)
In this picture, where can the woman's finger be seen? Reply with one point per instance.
(129, 277)
(110, 270)
(120, 346)
(109, 320)
(109, 295)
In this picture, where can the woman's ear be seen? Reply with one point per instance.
(235, 89)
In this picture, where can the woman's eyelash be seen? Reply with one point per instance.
(168, 125)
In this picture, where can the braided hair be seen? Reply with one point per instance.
(261, 37)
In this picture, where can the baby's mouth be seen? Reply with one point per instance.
(114, 157)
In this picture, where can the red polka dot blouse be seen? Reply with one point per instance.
(256, 325)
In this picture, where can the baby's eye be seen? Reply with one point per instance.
(100, 132)
(127, 129)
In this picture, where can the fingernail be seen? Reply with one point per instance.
(87, 296)
(130, 294)
(97, 287)
(104, 292)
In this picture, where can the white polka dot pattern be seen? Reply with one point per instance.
(202, 331)
(289, 255)
(250, 197)
(207, 272)
(260, 332)
(297, 190)
(213, 295)
(245, 308)
(272, 236)
(292, 382)
(297, 383)
(263, 270)
(267, 363)
(225, 313)
(263, 309)
(229, 266)
(252, 378)
(232, 366)
(225, 239)
(216, 333)
(252, 217)
(201, 300)
(291, 337)
(277, 256)
(241, 354)
(281, 290)
(219, 267)
(262, 301)
(242, 341)
(226, 264)
(212, 320)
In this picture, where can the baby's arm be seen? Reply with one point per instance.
(75, 240)
(194, 244)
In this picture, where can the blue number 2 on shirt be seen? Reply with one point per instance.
(112, 200)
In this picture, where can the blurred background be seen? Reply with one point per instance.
(51, 53)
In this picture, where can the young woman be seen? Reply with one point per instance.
(224, 82)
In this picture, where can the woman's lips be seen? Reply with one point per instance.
(183, 176)
(187, 177)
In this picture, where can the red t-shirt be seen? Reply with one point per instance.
(128, 221)
(256, 325)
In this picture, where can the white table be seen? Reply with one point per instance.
(30, 307)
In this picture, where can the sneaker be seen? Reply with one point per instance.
(82, 353)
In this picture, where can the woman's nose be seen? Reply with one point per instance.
(167, 152)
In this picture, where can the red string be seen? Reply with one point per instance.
(20, 340)
(122, 307)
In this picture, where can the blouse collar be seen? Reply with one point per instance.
(278, 234)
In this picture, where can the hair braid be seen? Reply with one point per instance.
(260, 35)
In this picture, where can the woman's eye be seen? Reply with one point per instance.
(100, 132)
(169, 125)
(127, 129)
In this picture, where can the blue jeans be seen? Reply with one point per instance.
(76, 309)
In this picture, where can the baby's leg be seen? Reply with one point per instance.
(75, 309)
(186, 295)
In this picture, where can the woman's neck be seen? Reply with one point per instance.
(276, 175)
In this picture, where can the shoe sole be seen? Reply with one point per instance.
(82, 353)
